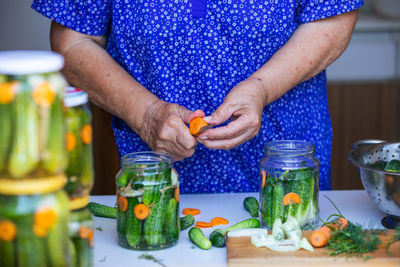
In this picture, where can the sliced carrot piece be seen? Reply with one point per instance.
(43, 94)
(141, 211)
(263, 178)
(45, 217)
(291, 198)
(191, 211)
(86, 134)
(219, 220)
(8, 231)
(70, 141)
(122, 203)
(176, 195)
(7, 92)
(203, 225)
(196, 124)
(84, 232)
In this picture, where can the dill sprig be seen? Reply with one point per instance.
(392, 240)
(150, 257)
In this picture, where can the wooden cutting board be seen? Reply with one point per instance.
(241, 252)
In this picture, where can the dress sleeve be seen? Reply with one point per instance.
(91, 17)
(310, 10)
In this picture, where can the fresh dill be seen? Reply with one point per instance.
(392, 240)
(98, 228)
(149, 257)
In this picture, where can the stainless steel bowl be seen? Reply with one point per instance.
(383, 187)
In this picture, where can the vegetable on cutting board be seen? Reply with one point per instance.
(249, 223)
(320, 237)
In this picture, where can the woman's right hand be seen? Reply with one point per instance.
(164, 129)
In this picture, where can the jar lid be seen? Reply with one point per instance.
(78, 202)
(75, 97)
(29, 62)
(32, 186)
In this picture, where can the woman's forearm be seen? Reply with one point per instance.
(90, 67)
(312, 47)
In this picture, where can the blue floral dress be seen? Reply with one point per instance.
(192, 52)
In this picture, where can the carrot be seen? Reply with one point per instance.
(264, 178)
(191, 211)
(8, 231)
(70, 141)
(196, 124)
(122, 203)
(45, 218)
(176, 194)
(39, 231)
(86, 233)
(320, 237)
(203, 225)
(43, 94)
(219, 220)
(141, 211)
(7, 92)
(86, 134)
(291, 198)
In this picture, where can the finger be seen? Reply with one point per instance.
(222, 114)
(227, 144)
(194, 114)
(233, 129)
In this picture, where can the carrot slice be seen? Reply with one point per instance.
(8, 231)
(122, 203)
(71, 141)
(320, 237)
(219, 220)
(43, 94)
(177, 194)
(203, 225)
(86, 134)
(7, 92)
(141, 211)
(196, 124)
(86, 233)
(291, 198)
(191, 211)
(45, 217)
(263, 178)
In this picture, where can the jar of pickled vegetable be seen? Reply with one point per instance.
(31, 114)
(148, 201)
(81, 233)
(289, 183)
(79, 143)
(34, 216)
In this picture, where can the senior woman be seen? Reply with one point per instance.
(254, 67)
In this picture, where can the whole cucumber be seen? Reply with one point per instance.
(278, 210)
(186, 221)
(84, 252)
(121, 226)
(7, 254)
(249, 223)
(217, 238)
(171, 222)
(100, 210)
(133, 224)
(251, 205)
(199, 239)
(5, 134)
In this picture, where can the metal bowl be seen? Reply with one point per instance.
(383, 187)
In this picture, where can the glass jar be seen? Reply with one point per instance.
(31, 114)
(79, 143)
(81, 233)
(34, 217)
(289, 183)
(147, 201)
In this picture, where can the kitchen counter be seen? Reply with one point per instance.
(354, 204)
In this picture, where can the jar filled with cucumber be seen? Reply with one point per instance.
(289, 183)
(81, 233)
(147, 201)
(34, 216)
(78, 143)
(32, 128)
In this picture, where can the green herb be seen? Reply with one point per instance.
(393, 239)
(99, 228)
(149, 257)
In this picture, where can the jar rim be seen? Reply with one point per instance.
(289, 148)
(79, 202)
(147, 158)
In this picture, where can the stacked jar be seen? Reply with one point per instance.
(34, 210)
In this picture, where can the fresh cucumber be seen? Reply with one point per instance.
(251, 205)
(249, 223)
(5, 134)
(133, 224)
(84, 252)
(121, 226)
(278, 210)
(199, 239)
(217, 238)
(100, 210)
(186, 221)
(171, 221)
(7, 253)
(147, 197)
(58, 243)
(87, 173)
(73, 254)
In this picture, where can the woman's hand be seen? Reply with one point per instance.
(164, 129)
(244, 106)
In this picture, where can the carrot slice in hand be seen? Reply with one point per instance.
(122, 203)
(141, 211)
(203, 225)
(196, 124)
(291, 198)
(219, 220)
(320, 237)
(190, 211)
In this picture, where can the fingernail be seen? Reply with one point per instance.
(203, 137)
(208, 119)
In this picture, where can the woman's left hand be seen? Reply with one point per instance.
(244, 106)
